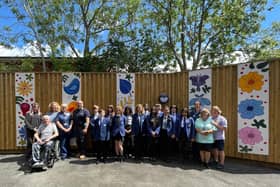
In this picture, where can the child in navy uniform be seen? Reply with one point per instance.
(118, 131)
(185, 134)
(153, 127)
(167, 133)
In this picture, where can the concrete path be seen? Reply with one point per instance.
(73, 172)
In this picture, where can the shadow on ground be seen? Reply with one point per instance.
(233, 166)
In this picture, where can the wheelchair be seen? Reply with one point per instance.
(47, 159)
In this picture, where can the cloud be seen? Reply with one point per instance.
(240, 57)
(29, 50)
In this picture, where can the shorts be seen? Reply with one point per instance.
(219, 144)
(118, 137)
(205, 147)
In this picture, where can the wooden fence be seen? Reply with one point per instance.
(100, 89)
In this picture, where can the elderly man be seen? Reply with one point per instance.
(44, 136)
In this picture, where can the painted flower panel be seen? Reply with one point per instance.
(24, 88)
(250, 108)
(250, 136)
(251, 81)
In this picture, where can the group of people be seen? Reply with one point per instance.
(156, 132)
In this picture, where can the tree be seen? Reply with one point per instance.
(31, 33)
(265, 44)
(204, 31)
(66, 24)
(138, 35)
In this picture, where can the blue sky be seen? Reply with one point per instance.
(6, 18)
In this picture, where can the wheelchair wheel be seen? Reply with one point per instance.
(50, 163)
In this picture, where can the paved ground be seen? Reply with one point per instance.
(73, 172)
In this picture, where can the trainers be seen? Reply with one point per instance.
(36, 164)
(82, 157)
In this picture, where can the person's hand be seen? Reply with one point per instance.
(173, 136)
(192, 140)
(47, 140)
(67, 130)
(214, 123)
(205, 133)
(85, 130)
(40, 142)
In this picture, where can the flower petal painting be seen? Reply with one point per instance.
(251, 81)
(250, 136)
(250, 108)
(253, 108)
(24, 97)
(24, 88)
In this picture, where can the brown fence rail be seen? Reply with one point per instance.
(100, 89)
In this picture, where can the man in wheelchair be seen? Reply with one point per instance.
(44, 143)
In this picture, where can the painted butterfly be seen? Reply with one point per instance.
(199, 80)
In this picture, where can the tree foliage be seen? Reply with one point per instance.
(138, 35)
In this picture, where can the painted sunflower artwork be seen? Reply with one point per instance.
(24, 88)
(253, 108)
(24, 96)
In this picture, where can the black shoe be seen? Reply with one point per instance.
(206, 165)
(220, 166)
(215, 163)
(121, 158)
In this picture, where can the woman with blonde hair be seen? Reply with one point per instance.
(220, 123)
(204, 136)
(54, 108)
(118, 131)
(63, 123)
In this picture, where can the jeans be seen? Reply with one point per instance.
(37, 150)
(64, 144)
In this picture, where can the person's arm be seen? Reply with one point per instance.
(172, 129)
(37, 137)
(27, 121)
(86, 125)
(221, 126)
(87, 116)
(192, 130)
(157, 131)
(70, 126)
(59, 125)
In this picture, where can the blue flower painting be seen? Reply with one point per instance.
(250, 108)
(22, 132)
(203, 101)
(125, 86)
